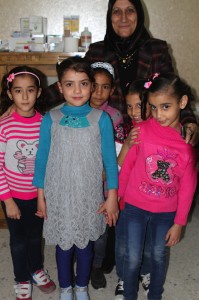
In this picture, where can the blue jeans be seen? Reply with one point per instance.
(64, 260)
(137, 221)
(25, 240)
(120, 248)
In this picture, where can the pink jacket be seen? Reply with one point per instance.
(159, 174)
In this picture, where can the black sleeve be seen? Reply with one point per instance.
(187, 116)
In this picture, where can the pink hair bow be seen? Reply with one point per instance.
(11, 77)
(147, 84)
(155, 75)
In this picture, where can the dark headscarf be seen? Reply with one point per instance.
(124, 46)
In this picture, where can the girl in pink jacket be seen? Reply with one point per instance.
(157, 182)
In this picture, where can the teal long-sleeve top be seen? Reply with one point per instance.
(107, 143)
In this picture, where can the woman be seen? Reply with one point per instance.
(134, 54)
(132, 51)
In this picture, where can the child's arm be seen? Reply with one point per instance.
(108, 151)
(130, 141)
(187, 188)
(9, 111)
(43, 151)
(5, 193)
(173, 235)
(41, 205)
(12, 210)
(127, 166)
(110, 207)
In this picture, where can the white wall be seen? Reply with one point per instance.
(176, 21)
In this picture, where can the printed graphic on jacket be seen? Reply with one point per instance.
(159, 169)
(160, 166)
(26, 156)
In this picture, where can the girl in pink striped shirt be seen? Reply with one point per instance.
(19, 136)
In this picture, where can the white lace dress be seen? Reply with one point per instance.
(73, 183)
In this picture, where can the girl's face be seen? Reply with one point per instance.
(166, 108)
(124, 18)
(75, 87)
(102, 90)
(133, 104)
(24, 94)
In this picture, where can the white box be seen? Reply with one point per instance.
(24, 25)
(35, 43)
(36, 24)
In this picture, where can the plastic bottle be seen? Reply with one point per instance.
(86, 38)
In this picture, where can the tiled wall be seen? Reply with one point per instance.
(173, 20)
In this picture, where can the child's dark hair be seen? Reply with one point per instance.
(169, 82)
(137, 87)
(7, 82)
(75, 63)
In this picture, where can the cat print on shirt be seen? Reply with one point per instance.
(26, 156)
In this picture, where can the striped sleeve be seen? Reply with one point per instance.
(4, 187)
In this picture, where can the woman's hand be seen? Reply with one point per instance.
(110, 208)
(9, 111)
(41, 205)
(173, 235)
(12, 210)
(192, 134)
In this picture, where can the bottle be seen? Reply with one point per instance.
(86, 37)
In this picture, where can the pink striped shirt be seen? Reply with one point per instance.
(19, 138)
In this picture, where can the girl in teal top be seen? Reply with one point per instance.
(76, 144)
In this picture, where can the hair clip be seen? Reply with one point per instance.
(147, 84)
(128, 83)
(155, 75)
(104, 65)
(11, 77)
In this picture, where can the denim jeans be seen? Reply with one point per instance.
(64, 260)
(25, 240)
(137, 221)
(120, 248)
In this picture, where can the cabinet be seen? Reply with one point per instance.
(43, 61)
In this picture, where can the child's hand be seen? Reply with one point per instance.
(41, 205)
(9, 111)
(192, 134)
(41, 210)
(110, 208)
(103, 209)
(133, 136)
(173, 235)
(12, 210)
(129, 142)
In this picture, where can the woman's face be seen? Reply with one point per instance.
(124, 18)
